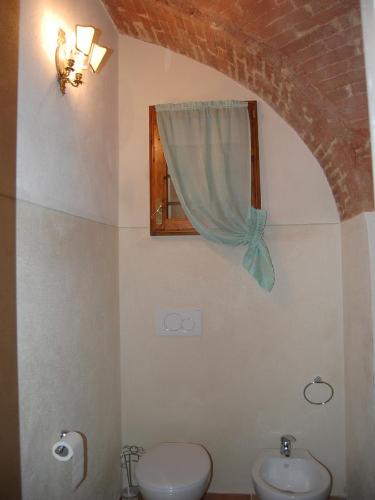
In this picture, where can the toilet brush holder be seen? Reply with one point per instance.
(130, 454)
(129, 492)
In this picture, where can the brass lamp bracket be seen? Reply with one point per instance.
(65, 67)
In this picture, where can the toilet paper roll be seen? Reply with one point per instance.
(71, 447)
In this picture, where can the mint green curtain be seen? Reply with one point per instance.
(207, 148)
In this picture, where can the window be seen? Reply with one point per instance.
(166, 214)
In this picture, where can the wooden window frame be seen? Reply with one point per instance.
(160, 224)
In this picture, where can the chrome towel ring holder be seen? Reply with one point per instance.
(318, 380)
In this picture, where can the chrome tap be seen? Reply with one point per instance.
(286, 444)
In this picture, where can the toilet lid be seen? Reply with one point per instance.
(172, 466)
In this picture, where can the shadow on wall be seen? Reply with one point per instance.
(10, 484)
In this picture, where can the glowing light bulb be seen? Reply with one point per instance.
(80, 62)
(70, 41)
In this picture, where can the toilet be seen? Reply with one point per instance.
(177, 471)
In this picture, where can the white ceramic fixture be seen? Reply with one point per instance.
(177, 471)
(298, 477)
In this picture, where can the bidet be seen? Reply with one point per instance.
(297, 477)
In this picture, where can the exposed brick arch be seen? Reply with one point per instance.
(302, 57)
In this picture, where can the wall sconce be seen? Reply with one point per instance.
(75, 53)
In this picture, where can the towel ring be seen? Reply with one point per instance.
(318, 380)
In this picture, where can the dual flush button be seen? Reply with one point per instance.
(179, 322)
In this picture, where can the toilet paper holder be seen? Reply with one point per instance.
(62, 450)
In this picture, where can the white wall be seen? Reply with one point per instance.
(239, 386)
(360, 409)
(67, 258)
(358, 250)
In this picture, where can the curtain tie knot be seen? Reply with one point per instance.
(256, 220)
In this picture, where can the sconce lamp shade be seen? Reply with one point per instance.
(74, 54)
(97, 54)
(84, 37)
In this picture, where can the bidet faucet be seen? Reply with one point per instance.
(286, 444)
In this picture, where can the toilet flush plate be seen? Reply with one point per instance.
(179, 322)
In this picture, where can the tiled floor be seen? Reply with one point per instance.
(229, 496)
(220, 496)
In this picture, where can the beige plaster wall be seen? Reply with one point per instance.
(68, 350)
(357, 254)
(67, 258)
(239, 386)
(67, 153)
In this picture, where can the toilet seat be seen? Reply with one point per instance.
(173, 467)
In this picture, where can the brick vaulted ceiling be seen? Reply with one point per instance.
(303, 57)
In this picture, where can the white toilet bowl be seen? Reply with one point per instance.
(177, 471)
(298, 477)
